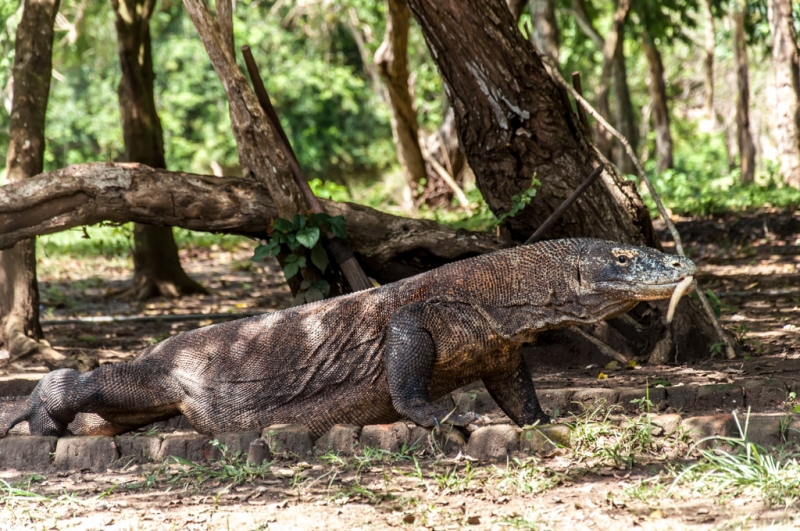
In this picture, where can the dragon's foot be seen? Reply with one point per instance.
(46, 411)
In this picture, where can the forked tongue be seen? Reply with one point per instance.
(680, 290)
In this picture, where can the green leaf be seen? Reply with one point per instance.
(290, 270)
(305, 284)
(313, 294)
(308, 236)
(320, 219)
(301, 261)
(299, 299)
(292, 258)
(319, 257)
(261, 252)
(796, 409)
(336, 224)
(324, 287)
(291, 241)
(283, 225)
(298, 222)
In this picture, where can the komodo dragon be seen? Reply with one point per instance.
(370, 357)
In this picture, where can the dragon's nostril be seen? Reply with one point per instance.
(676, 264)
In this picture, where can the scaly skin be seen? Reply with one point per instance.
(369, 357)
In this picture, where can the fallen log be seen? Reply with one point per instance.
(389, 247)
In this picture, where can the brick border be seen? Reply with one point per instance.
(495, 443)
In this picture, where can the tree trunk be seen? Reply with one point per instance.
(709, 42)
(786, 70)
(747, 149)
(392, 62)
(512, 125)
(545, 28)
(389, 247)
(157, 268)
(255, 141)
(19, 294)
(658, 103)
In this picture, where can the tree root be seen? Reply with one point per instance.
(21, 346)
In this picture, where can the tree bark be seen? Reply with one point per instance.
(709, 43)
(157, 268)
(747, 149)
(545, 28)
(786, 71)
(658, 103)
(391, 59)
(513, 124)
(389, 247)
(19, 294)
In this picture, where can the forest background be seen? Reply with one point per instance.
(317, 60)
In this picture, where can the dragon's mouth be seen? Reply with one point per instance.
(671, 283)
(682, 287)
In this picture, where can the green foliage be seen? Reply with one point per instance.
(518, 202)
(318, 83)
(702, 184)
(300, 239)
(329, 190)
(596, 438)
(747, 468)
(231, 468)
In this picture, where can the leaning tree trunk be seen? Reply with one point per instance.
(513, 125)
(19, 294)
(658, 103)
(157, 268)
(392, 62)
(786, 68)
(747, 149)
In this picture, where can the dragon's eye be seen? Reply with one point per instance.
(622, 259)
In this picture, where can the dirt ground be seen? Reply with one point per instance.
(750, 262)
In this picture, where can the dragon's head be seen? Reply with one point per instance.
(625, 272)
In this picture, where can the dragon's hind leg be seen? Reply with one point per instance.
(124, 396)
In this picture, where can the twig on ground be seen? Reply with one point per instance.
(730, 351)
(601, 346)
